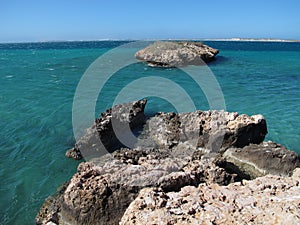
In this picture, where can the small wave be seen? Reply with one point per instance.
(54, 81)
(9, 76)
(50, 69)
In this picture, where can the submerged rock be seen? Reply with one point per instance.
(176, 54)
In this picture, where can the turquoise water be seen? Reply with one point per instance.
(37, 86)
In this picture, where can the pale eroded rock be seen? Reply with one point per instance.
(185, 168)
(176, 54)
(100, 191)
(213, 130)
(265, 200)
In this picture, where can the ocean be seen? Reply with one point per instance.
(38, 82)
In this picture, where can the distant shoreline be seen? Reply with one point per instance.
(179, 39)
(251, 39)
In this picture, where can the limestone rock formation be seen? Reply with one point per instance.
(187, 168)
(258, 160)
(265, 200)
(101, 137)
(100, 191)
(176, 54)
(212, 130)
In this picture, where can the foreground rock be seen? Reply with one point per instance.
(265, 200)
(187, 168)
(185, 188)
(176, 54)
(101, 191)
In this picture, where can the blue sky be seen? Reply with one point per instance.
(38, 20)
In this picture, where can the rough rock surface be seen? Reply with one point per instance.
(213, 130)
(258, 160)
(100, 191)
(176, 54)
(265, 200)
(48, 213)
(101, 137)
(182, 171)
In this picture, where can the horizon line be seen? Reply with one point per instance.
(158, 39)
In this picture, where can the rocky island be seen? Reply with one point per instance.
(202, 167)
(176, 54)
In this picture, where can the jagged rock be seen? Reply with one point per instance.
(213, 130)
(260, 159)
(164, 129)
(176, 54)
(101, 137)
(265, 200)
(48, 213)
(208, 129)
(100, 191)
(74, 153)
(187, 157)
(99, 195)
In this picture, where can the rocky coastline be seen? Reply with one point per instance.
(209, 167)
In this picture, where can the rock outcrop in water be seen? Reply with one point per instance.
(186, 168)
(101, 137)
(212, 130)
(176, 54)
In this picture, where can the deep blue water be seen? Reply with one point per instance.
(38, 83)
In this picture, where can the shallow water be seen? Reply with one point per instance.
(38, 83)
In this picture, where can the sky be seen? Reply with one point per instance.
(45, 20)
